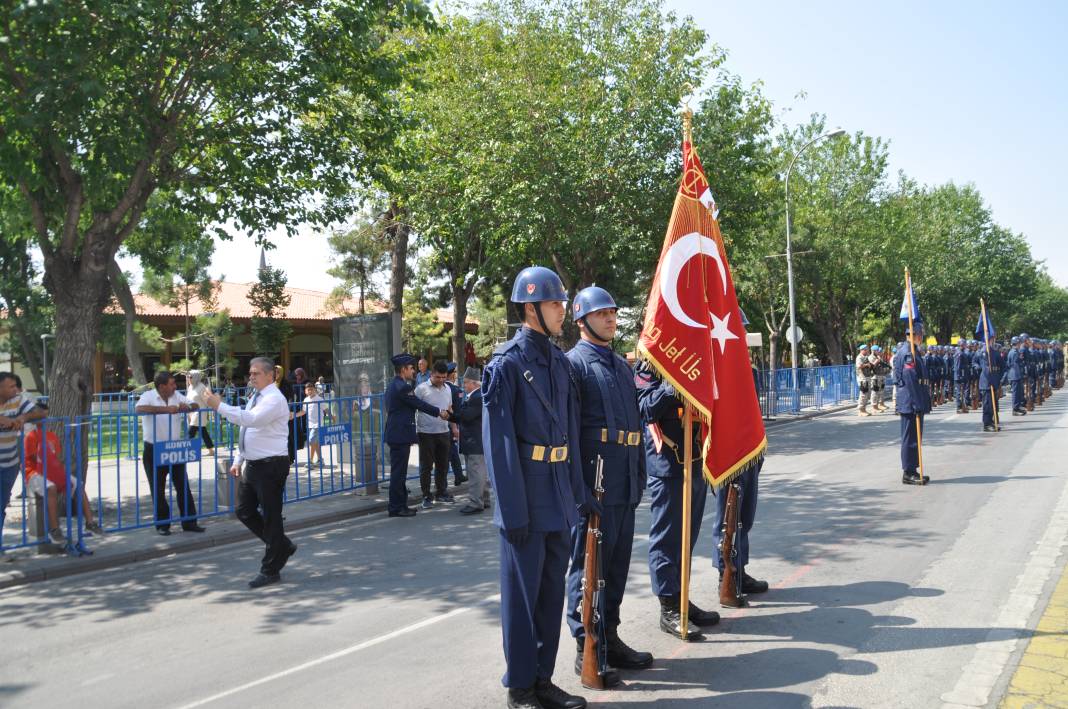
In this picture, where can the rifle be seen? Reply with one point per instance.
(1029, 396)
(730, 583)
(975, 394)
(594, 652)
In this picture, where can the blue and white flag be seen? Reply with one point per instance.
(990, 332)
(906, 301)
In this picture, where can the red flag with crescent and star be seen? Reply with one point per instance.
(693, 331)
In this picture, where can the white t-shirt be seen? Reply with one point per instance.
(161, 427)
(317, 409)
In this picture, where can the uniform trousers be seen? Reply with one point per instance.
(1018, 400)
(910, 450)
(262, 486)
(532, 602)
(990, 403)
(665, 529)
(398, 475)
(963, 394)
(617, 538)
(747, 513)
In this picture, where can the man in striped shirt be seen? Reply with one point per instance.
(15, 412)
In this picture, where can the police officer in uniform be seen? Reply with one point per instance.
(864, 378)
(989, 371)
(530, 427)
(610, 428)
(661, 411)
(399, 430)
(913, 402)
(1014, 365)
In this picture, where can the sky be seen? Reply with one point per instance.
(972, 92)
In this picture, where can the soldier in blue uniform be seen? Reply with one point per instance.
(661, 411)
(1058, 364)
(962, 375)
(1014, 371)
(913, 403)
(989, 371)
(610, 428)
(1029, 361)
(530, 428)
(399, 434)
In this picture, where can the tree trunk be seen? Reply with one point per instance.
(399, 232)
(832, 338)
(124, 295)
(80, 295)
(460, 296)
(187, 327)
(773, 351)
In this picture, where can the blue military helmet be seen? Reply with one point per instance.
(1024, 336)
(590, 300)
(537, 284)
(1015, 340)
(863, 346)
(876, 348)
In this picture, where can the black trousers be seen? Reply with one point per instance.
(262, 485)
(157, 485)
(434, 453)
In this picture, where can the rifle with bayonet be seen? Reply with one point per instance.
(594, 651)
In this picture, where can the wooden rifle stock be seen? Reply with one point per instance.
(730, 584)
(594, 654)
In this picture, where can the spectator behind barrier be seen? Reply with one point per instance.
(45, 470)
(15, 412)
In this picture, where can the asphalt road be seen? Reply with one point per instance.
(883, 595)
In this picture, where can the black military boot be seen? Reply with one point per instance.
(622, 656)
(671, 620)
(703, 618)
(523, 699)
(610, 677)
(552, 697)
(913, 478)
(752, 585)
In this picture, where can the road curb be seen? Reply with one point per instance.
(775, 423)
(89, 564)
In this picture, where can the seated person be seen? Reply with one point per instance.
(45, 470)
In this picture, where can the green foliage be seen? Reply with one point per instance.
(269, 300)
(491, 312)
(420, 330)
(361, 252)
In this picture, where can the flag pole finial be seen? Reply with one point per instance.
(687, 113)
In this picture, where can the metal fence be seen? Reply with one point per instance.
(127, 487)
(816, 388)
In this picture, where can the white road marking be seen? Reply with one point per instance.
(340, 653)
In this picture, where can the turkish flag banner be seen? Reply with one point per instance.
(693, 331)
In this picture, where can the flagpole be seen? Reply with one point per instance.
(912, 348)
(989, 364)
(687, 505)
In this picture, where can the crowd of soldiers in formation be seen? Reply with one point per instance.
(1031, 367)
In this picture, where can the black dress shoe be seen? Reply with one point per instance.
(701, 617)
(262, 580)
(914, 479)
(470, 510)
(610, 676)
(752, 585)
(460, 479)
(988, 429)
(193, 528)
(163, 531)
(671, 621)
(624, 657)
(406, 512)
(523, 699)
(552, 697)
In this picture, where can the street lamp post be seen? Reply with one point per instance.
(44, 361)
(790, 257)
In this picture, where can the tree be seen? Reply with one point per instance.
(420, 330)
(242, 110)
(268, 297)
(181, 277)
(362, 252)
(491, 312)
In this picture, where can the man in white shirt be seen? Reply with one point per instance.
(435, 439)
(262, 448)
(162, 410)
